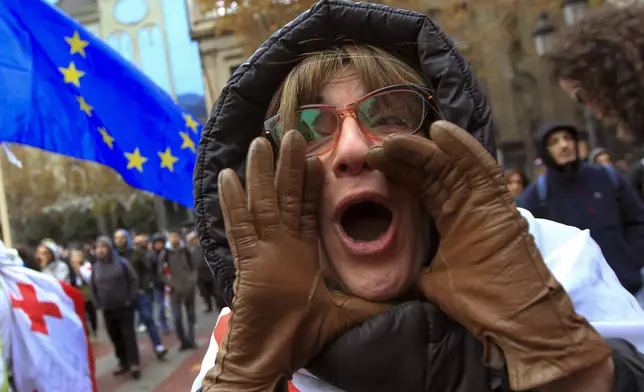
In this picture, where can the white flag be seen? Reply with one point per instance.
(49, 346)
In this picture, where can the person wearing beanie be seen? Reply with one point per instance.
(115, 288)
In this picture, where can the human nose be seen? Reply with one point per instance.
(351, 150)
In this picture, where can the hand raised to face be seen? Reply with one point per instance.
(488, 273)
(282, 311)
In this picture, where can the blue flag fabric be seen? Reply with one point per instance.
(64, 90)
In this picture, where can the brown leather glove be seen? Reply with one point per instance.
(488, 273)
(282, 312)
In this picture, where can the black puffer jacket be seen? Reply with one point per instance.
(414, 346)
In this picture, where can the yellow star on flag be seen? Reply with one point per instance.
(71, 74)
(107, 138)
(84, 106)
(76, 44)
(187, 142)
(167, 159)
(190, 122)
(135, 160)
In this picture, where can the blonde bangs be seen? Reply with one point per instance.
(304, 84)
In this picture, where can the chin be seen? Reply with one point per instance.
(372, 288)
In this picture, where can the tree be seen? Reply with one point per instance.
(56, 182)
(78, 225)
(39, 227)
(255, 20)
(141, 217)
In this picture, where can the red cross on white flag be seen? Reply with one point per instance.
(35, 310)
(49, 345)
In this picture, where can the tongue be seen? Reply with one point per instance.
(366, 221)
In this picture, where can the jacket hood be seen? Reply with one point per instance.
(542, 146)
(52, 247)
(105, 240)
(127, 236)
(238, 116)
(597, 152)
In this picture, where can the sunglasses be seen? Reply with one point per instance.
(386, 111)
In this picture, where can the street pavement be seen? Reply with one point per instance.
(175, 374)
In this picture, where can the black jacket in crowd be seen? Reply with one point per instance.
(414, 346)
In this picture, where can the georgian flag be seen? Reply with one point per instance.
(50, 350)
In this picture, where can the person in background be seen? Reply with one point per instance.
(83, 270)
(157, 243)
(115, 288)
(205, 278)
(598, 63)
(145, 309)
(47, 256)
(136, 257)
(517, 182)
(593, 197)
(601, 156)
(181, 280)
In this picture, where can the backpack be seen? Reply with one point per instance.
(542, 190)
(163, 259)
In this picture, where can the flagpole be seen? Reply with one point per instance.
(4, 211)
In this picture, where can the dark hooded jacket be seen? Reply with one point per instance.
(414, 346)
(588, 196)
(114, 282)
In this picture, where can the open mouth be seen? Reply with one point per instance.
(366, 221)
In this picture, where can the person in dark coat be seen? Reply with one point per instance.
(181, 278)
(335, 55)
(594, 197)
(158, 241)
(115, 288)
(145, 308)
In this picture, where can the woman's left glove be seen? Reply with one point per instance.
(488, 273)
(282, 311)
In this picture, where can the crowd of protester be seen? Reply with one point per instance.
(134, 281)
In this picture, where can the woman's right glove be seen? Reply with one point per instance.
(488, 273)
(283, 313)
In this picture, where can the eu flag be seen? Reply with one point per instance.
(64, 90)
